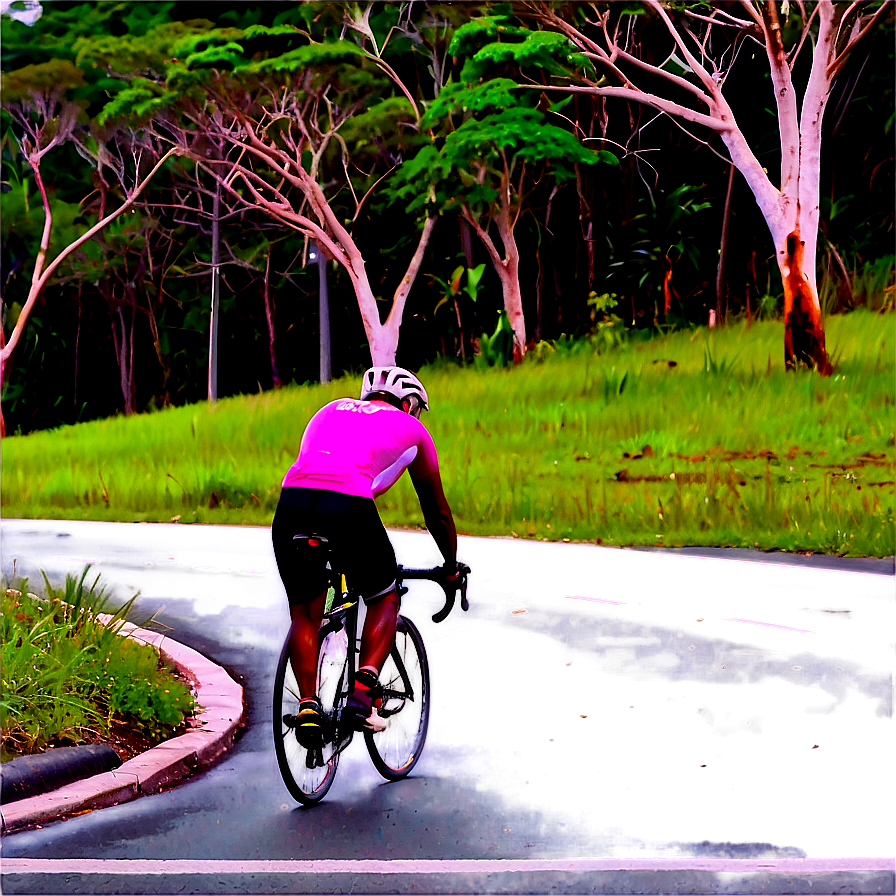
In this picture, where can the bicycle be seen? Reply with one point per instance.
(403, 695)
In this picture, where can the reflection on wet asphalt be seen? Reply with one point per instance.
(638, 749)
(645, 720)
(632, 648)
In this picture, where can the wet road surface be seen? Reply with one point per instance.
(602, 719)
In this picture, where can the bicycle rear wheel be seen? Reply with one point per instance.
(405, 705)
(308, 775)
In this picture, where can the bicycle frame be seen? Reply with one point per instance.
(346, 615)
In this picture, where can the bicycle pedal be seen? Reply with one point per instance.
(375, 722)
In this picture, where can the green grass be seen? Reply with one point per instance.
(67, 677)
(622, 447)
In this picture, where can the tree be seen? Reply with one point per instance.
(688, 82)
(268, 128)
(35, 99)
(491, 149)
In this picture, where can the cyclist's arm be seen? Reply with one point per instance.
(436, 512)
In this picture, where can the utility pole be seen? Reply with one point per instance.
(326, 369)
(216, 298)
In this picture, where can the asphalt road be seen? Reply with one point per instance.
(603, 720)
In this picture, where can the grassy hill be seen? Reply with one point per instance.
(696, 438)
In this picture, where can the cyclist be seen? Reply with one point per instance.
(351, 452)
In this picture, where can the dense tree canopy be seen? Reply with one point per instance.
(358, 127)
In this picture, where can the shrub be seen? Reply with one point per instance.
(66, 676)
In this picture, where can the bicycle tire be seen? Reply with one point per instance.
(310, 785)
(396, 750)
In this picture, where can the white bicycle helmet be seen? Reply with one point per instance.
(397, 382)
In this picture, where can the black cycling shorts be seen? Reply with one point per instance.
(360, 547)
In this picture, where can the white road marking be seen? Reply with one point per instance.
(441, 866)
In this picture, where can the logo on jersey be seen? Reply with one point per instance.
(361, 407)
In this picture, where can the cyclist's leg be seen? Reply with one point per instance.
(377, 639)
(303, 642)
(303, 571)
(370, 570)
(379, 630)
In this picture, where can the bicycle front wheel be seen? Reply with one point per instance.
(405, 705)
(308, 774)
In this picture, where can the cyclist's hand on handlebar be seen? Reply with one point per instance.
(454, 580)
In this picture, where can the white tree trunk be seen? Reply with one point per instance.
(382, 337)
(791, 210)
(513, 305)
(388, 337)
(507, 268)
(510, 282)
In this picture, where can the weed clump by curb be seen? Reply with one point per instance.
(69, 678)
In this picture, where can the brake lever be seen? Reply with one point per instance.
(464, 603)
(450, 598)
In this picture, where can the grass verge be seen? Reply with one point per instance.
(696, 438)
(67, 678)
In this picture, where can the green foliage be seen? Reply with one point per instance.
(869, 284)
(458, 99)
(661, 236)
(496, 350)
(452, 286)
(65, 673)
(265, 32)
(472, 35)
(474, 275)
(492, 46)
(473, 162)
(315, 56)
(412, 182)
(198, 42)
(542, 50)
(607, 328)
(385, 124)
(137, 104)
(184, 59)
(717, 366)
(60, 27)
(46, 78)
(522, 136)
(525, 132)
(451, 291)
(149, 55)
(229, 55)
(22, 214)
(874, 283)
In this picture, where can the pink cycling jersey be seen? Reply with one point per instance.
(361, 448)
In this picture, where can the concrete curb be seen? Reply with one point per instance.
(221, 717)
